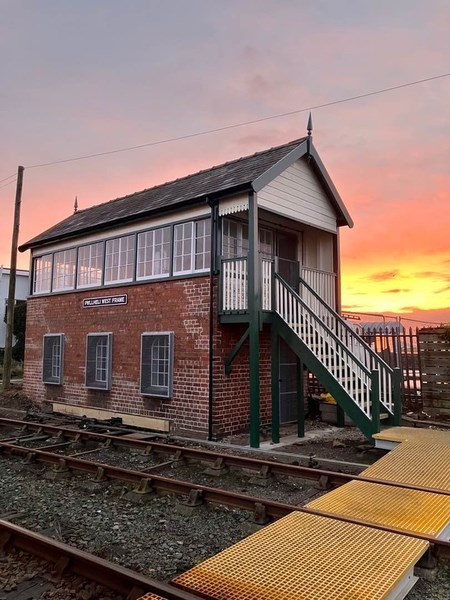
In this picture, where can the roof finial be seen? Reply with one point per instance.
(75, 205)
(309, 127)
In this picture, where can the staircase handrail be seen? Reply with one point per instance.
(353, 333)
(328, 330)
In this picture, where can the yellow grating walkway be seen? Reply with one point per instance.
(390, 437)
(307, 557)
(410, 510)
(420, 464)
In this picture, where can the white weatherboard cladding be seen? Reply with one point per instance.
(297, 194)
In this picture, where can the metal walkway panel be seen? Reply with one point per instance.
(410, 510)
(309, 557)
(421, 464)
(391, 436)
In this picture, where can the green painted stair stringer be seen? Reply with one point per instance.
(307, 356)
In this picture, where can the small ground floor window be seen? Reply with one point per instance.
(157, 364)
(98, 361)
(52, 364)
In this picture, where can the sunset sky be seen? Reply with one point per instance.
(88, 77)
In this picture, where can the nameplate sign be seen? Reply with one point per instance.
(105, 301)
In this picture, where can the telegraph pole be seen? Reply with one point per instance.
(12, 284)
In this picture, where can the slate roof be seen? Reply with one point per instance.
(193, 189)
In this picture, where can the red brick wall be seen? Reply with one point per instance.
(180, 306)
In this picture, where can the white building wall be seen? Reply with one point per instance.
(22, 287)
(298, 194)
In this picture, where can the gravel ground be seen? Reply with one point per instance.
(23, 576)
(153, 537)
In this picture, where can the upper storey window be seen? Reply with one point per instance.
(153, 253)
(119, 260)
(90, 265)
(42, 274)
(192, 247)
(171, 250)
(64, 265)
(235, 240)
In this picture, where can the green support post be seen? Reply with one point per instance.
(275, 378)
(375, 400)
(300, 399)
(254, 307)
(396, 392)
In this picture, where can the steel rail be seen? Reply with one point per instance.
(148, 483)
(67, 558)
(257, 465)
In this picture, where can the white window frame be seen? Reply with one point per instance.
(150, 377)
(98, 367)
(42, 274)
(202, 245)
(119, 259)
(150, 254)
(189, 247)
(64, 270)
(53, 358)
(241, 240)
(92, 276)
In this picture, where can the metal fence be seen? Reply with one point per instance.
(400, 348)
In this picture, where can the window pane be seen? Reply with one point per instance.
(266, 243)
(153, 253)
(90, 265)
(157, 364)
(98, 361)
(183, 248)
(52, 364)
(64, 270)
(119, 259)
(234, 239)
(203, 245)
(42, 274)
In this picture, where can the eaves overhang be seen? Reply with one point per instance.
(133, 218)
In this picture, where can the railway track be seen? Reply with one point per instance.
(64, 560)
(64, 437)
(147, 481)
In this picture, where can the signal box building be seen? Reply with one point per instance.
(195, 306)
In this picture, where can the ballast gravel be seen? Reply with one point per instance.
(154, 537)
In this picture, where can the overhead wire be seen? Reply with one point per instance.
(9, 183)
(5, 178)
(241, 124)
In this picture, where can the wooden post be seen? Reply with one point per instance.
(275, 377)
(12, 284)
(375, 400)
(300, 398)
(254, 303)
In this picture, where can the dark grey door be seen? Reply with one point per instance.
(288, 384)
(288, 266)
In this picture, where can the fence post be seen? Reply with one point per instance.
(375, 400)
(396, 393)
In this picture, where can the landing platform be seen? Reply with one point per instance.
(392, 436)
(410, 510)
(309, 557)
(422, 464)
